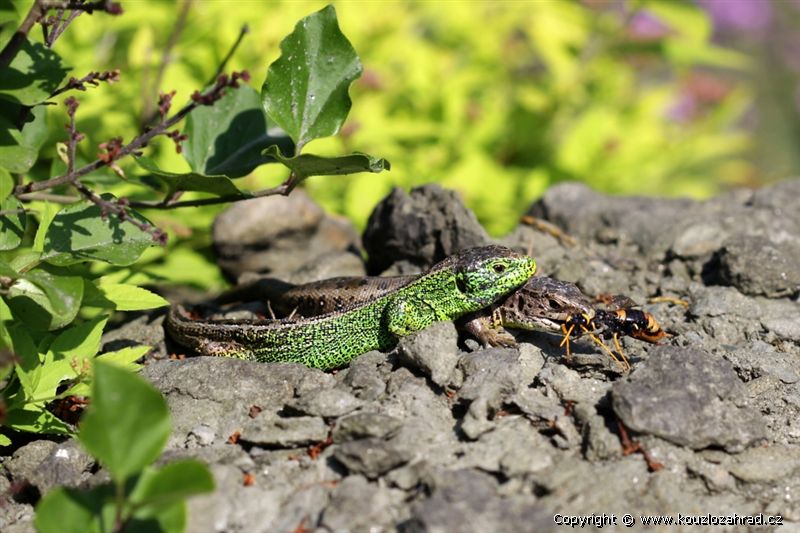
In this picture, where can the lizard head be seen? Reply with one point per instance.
(486, 273)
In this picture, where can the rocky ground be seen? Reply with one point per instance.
(441, 435)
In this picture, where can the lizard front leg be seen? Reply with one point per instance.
(406, 315)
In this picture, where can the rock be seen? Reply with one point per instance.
(220, 392)
(570, 387)
(650, 223)
(432, 351)
(201, 435)
(467, 501)
(764, 464)
(758, 265)
(327, 403)
(289, 432)
(370, 457)
(145, 330)
(364, 377)
(423, 227)
(514, 448)
(278, 234)
(358, 505)
(490, 377)
(689, 398)
(361, 425)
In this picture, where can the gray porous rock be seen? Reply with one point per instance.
(145, 330)
(278, 234)
(370, 457)
(327, 403)
(468, 501)
(690, 398)
(428, 437)
(360, 505)
(365, 424)
(423, 227)
(433, 351)
(761, 265)
(221, 392)
(284, 432)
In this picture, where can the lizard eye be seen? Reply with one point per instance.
(499, 268)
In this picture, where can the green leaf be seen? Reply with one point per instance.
(305, 92)
(131, 298)
(124, 358)
(28, 367)
(305, 165)
(22, 133)
(171, 182)
(34, 418)
(46, 299)
(170, 484)
(228, 137)
(7, 271)
(33, 75)
(64, 510)
(78, 233)
(127, 423)
(68, 356)
(6, 183)
(121, 296)
(12, 223)
(4, 441)
(46, 215)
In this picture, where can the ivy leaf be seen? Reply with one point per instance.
(12, 223)
(127, 423)
(33, 75)
(305, 165)
(78, 233)
(305, 92)
(227, 139)
(171, 182)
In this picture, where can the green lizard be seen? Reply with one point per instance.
(542, 303)
(463, 283)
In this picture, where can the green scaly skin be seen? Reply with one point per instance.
(463, 283)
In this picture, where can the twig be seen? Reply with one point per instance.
(48, 197)
(93, 79)
(59, 24)
(116, 150)
(37, 11)
(244, 30)
(148, 113)
(283, 189)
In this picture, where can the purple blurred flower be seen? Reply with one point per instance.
(645, 25)
(683, 109)
(751, 16)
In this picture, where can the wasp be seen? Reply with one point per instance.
(620, 318)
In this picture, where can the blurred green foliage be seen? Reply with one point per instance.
(498, 100)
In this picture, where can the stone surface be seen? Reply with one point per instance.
(690, 398)
(278, 234)
(423, 227)
(432, 351)
(430, 437)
